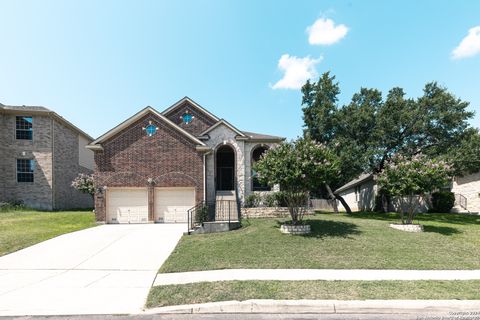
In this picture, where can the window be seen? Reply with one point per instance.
(357, 193)
(151, 130)
(187, 117)
(24, 129)
(257, 185)
(25, 168)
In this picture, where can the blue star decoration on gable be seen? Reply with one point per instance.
(150, 129)
(187, 117)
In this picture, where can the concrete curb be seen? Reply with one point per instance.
(322, 307)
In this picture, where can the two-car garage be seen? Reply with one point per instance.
(130, 205)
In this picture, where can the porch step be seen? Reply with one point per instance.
(226, 207)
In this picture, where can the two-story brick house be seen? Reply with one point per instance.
(40, 154)
(155, 165)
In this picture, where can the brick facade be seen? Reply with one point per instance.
(201, 120)
(131, 158)
(54, 148)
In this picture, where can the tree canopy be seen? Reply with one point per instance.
(297, 166)
(368, 131)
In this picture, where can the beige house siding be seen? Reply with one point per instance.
(360, 197)
(469, 187)
(85, 156)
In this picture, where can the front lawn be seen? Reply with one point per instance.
(292, 290)
(339, 241)
(23, 228)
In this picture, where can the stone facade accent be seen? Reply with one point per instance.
(131, 158)
(298, 229)
(407, 227)
(222, 135)
(269, 212)
(55, 150)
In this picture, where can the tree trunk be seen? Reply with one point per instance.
(344, 203)
(332, 197)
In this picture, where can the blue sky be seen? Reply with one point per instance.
(98, 62)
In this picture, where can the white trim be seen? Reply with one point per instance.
(193, 103)
(228, 125)
(138, 116)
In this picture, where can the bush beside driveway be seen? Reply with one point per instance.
(22, 228)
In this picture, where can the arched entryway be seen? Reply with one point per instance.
(256, 155)
(225, 168)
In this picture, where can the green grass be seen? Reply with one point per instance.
(338, 241)
(23, 228)
(291, 290)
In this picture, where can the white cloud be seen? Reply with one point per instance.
(469, 46)
(296, 71)
(325, 32)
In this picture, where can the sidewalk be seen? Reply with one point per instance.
(312, 274)
(324, 307)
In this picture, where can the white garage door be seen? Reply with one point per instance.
(127, 205)
(172, 204)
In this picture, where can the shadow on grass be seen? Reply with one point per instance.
(327, 228)
(446, 231)
(453, 218)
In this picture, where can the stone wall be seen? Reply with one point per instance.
(268, 212)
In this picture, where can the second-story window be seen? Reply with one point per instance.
(24, 128)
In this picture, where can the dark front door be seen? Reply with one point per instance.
(225, 173)
(225, 178)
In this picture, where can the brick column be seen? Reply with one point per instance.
(151, 202)
(100, 214)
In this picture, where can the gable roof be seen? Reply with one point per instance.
(227, 124)
(262, 137)
(192, 103)
(361, 178)
(43, 111)
(97, 143)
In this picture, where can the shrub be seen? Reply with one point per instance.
(270, 200)
(442, 201)
(281, 199)
(11, 205)
(201, 214)
(252, 201)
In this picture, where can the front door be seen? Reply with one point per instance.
(225, 173)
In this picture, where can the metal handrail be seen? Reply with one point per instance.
(461, 200)
(221, 209)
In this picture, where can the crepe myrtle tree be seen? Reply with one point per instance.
(411, 179)
(298, 166)
(84, 183)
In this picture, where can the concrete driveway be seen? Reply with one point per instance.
(108, 269)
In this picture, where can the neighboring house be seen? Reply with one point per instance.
(40, 154)
(467, 193)
(155, 166)
(360, 194)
